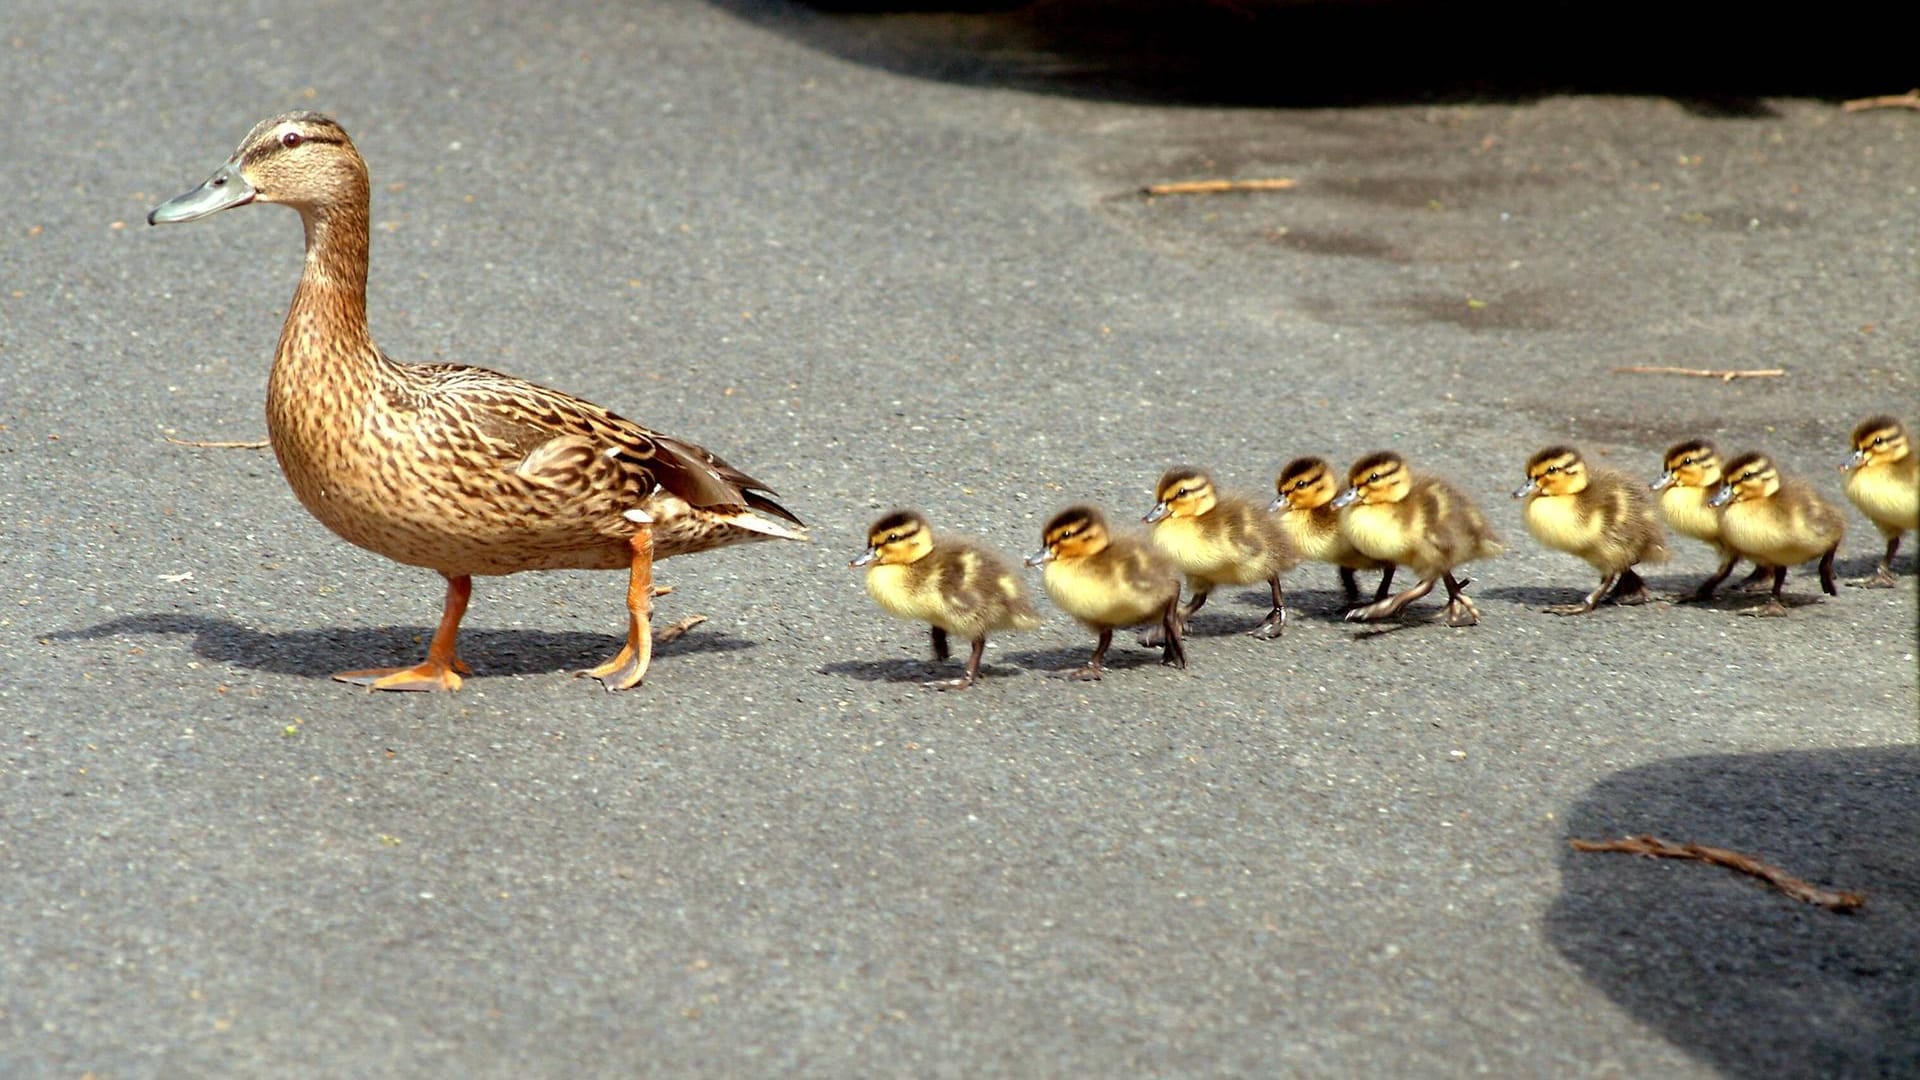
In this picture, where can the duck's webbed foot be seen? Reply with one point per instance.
(1461, 610)
(442, 668)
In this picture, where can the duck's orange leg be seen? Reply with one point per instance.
(442, 668)
(629, 666)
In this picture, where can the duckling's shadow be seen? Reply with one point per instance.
(320, 653)
(1124, 654)
(911, 671)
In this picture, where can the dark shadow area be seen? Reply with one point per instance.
(1715, 58)
(912, 671)
(1748, 979)
(320, 653)
(1122, 656)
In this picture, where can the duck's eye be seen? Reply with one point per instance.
(292, 139)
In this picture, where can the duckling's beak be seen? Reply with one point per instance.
(870, 555)
(1346, 498)
(1278, 504)
(1158, 513)
(1721, 497)
(1041, 557)
(1666, 481)
(1854, 461)
(223, 190)
(1532, 485)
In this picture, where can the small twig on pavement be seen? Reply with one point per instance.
(1217, 187)
(1746, 864)
(203, 444)
(1908, 100)
(1704, 373)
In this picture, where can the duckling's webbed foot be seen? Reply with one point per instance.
(1772, 609)
(1461, 610)
(1631, 590)
(1174, 652)
(1093, 669)
(1705, 592)
(442, 668)
(1758, 581)
(972, 674)
(1275, 623)
(1388, 608)
(1882, 576)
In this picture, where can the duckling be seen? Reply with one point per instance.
(1220, 539)
(1777, 522)
(954, 584)
(1691, 476)
(1597, 514)
(1393, 514)
(458, 469)
(1306, 489)
(1883, 480)
(1107, 582)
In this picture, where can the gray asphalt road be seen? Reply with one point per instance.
(1341, 853)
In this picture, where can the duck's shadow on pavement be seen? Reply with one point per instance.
(321, 652)
(1748, 979)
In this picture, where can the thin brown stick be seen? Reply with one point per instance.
(1217, 187)
(1724, 375)
(1746, 864)
(202, 444)
(1908, 100)
(677, 630)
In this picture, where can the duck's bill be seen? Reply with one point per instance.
(1854, 461)
(1038, 558)
(1278, 504)
(1526, 489)
(1346, 498)
(1159, 511)
(1721, 497)
(1666, 481)
(223, 190)
(866, 558)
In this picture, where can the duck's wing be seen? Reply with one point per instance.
(526, 425)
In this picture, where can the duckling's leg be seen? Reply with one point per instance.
(1158, 635)
(1773, 608)
(1387, 609)
(1826, 571)
(939, 644)
(442, 668)
(1705, 591)
(1755, 581)
(1460, 607)
(1631, 589)
(1093, 670)
(1275, 623)
(1592, 601)
(1882, 577)
(1174, 652)
(629, 666)
(1349, 589)
(973, 670)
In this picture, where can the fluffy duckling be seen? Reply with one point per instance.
(1398, 516)
(1883, 480)
(1218, 540)
(957, 586)
(1597, 514)
(1691, 475)
(1307, 488)
(1108, 582)
(1777, 522)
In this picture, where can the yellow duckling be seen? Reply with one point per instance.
(955, 585)
(1597, 514)
(1883, 480)
(1307, 489)
(1108, 582)
(1691, 475)
(1777, 522)
(1218, 540)
(1411, 519)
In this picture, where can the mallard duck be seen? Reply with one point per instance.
(1597, 514)
(1107, 582)
(1218, 539)
(1398, 516)
(955, 585)
(1883, 480)
(1777, 522)
(458, 469)
(1690, 476)
(1307, 489)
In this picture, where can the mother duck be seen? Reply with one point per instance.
(459, 469)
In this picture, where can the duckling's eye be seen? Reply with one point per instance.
(292, 139)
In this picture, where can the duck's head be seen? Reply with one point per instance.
(1749, 476)
(1304, 484)
(1378, 478)
(1557, 470)
(1183, 491)
(1074, 533)
(901, 537)
(1694, 463)
(302, 159)
(1878, 440)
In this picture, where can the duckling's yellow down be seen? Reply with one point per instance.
(957, 589)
